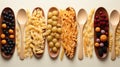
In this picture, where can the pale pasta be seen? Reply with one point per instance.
(117, 41)
(34, 30)
(111, 38)
(88, 39)
(18, 39)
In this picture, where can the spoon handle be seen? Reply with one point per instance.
(80, 55)
(22, 42)
(113, 56)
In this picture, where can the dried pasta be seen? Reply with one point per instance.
(18, 39)
(34, 30)
(88, 39)
(69, 31)
(117, 41)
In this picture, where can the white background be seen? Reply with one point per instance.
(46, 61)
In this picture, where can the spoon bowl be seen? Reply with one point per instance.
(22, 16)
(114, 19)
(81, 18)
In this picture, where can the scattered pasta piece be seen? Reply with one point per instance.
(62, 54)
(111, 38)
(18, 39)
(117, 40)
(88, 39)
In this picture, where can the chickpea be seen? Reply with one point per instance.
(11, 36)
(49, 14)
(54, 23)
(57, 35)
(3, 41)
(52, 34)
(57, 44)
(103, 38)
(54, 17)
(97, 44)
(51, 44)
(55, 12)
(54, 40)
(59, 30)
(4, 25)
(2, 35)
(11, 31)
(54, 49)
(54, 29)
(97, 29)
(49, 38)
(49, 21)
(49, 26)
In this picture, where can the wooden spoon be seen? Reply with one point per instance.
(22, 18)
(114, 19)
(81, 18)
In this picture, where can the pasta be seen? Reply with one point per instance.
(69, 31)
(117, 41)
(34, 30)
(18, 39)
(88, 40)
(111, 39)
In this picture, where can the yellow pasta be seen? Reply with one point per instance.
(69, 31)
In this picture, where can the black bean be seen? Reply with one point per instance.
(100, 52)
